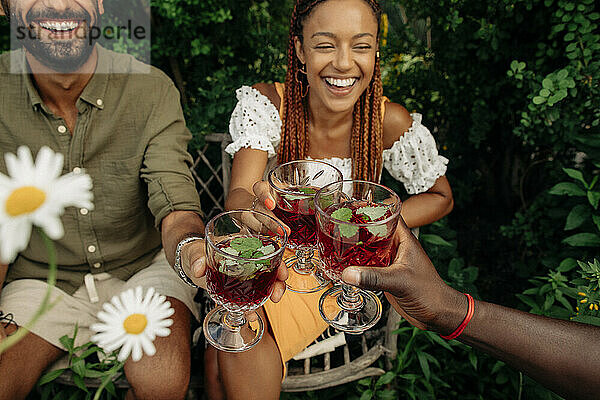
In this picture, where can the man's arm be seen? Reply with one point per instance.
(175, 227)
(563, 356)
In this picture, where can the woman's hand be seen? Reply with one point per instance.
(411, 283)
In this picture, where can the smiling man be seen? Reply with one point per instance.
(121, 122)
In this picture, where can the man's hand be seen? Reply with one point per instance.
(411, 282)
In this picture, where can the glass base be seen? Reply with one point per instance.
(353, 322)
(299, 281)
(225, 337)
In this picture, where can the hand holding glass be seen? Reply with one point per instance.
(243, 250)
(356, 221)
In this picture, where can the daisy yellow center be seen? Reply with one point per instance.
(24, 200)
(135, 324)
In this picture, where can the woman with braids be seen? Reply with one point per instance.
(330, 108)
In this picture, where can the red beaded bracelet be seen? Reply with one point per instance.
(463, 325)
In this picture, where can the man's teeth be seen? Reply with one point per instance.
(59, 26)
(341, 82)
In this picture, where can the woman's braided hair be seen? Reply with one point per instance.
(367, 129)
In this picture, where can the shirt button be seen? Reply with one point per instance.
(62, 129)
(97, 265)
(77, 170)
(83, 211)
(99, 102)
(91, 248)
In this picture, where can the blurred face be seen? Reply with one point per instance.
(56, 32)
(338, 48)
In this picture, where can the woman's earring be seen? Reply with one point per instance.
(377, 54)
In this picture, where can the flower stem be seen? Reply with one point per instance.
(110, 374)
(45, 305)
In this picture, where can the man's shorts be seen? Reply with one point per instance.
(23, 297)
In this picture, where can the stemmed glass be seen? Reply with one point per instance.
(356, 222)
(243, 250)
(294, 185)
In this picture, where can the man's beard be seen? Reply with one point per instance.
(66, 55)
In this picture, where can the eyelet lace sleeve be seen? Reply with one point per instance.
(414, 159)
(254, 123)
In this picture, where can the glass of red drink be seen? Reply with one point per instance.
(294, 185)
(356, 222)
(243, 250)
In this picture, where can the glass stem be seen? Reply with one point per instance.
(351, 299)
(304, 265)
(234, 320)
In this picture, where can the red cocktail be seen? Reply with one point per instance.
(243, 284)
(243, 250)
(297, 211)
(293, 186)
(356, 222)
(365, 245)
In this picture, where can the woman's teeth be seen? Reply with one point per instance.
(342, 83)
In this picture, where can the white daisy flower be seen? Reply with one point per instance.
(36, 194)
(132, 321)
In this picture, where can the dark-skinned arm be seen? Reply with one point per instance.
(563, 356)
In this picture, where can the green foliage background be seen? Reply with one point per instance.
(510, 90)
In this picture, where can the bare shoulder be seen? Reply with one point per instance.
(268, 89)
(396, 122)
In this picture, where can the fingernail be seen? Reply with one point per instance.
(270, 204)
(288, 230)
(278, 293)
(351, 276)
(279, 231)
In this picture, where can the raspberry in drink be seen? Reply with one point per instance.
(240, 280)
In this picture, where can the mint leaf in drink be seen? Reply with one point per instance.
(308, 190)
(373, 212)
(231, 250)
(245, 244)
(378, 230)
(348, 230)
(266, 250)
(342, 214)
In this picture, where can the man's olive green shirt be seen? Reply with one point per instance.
(131, 138)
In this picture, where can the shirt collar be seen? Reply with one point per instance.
(94, 91)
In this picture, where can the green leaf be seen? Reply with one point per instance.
(539, 100)
(473, 360)
(385, 379)
(421, 356)
(587, 319)
(79, 367)
(244, 244)
(434, 239)
(373, 212)
(576, 174)
(583, 240)
(342, 214)
(567, 188)
(596, 219)
(50, 376)
(578, 215)
(348, 230)
(593, 198)
(497, 367)
(367, 395)
(547, 84)
(528, 301)
(378, 230)
(544, 93)
(567, 264)
(79, 382)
